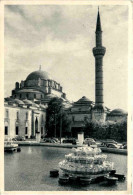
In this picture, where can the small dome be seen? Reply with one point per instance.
(28, 102)
(38, 74)
(8, 99)
(36, 105)
(118, 112)
(17, 101)
(43, 106)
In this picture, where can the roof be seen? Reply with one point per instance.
(16, 101)
(83, 101)
(28, 91)
(24, 102)
(38, 74)
(117, 112)
(28, 102)
(43, 106)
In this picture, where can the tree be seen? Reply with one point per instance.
(89, 129)
(107, 130)
(55, 115)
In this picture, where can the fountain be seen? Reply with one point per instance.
(86, 164)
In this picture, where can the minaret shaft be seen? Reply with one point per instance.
(99, 81)
(98, 53)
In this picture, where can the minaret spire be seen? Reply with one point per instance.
(98, 26)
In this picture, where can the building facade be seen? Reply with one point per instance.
(24, 119)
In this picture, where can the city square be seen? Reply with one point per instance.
(82, 135)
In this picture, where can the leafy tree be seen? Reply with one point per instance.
(56, 118)
(88, 129)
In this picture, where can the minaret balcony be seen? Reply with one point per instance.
(99, 51)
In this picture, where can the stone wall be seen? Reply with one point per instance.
(98, 116)
(117, 118)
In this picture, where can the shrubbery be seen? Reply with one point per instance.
(107, 130)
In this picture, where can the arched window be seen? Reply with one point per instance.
(73, 118)
(36, 125)
(17, 130)
(6, 130)
(17, 115)
(26, 130)
(34, 95)
(7, 114)
(26, 115)
(27, 95)
(42, 130)
(85, 118)
(42, 118)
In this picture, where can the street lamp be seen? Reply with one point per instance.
(55, 123)
(60, 124)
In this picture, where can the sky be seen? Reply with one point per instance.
(60, 38)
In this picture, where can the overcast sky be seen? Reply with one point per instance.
(60, 38)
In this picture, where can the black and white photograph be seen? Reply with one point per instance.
(66, 110)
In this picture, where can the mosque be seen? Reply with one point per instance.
(25, 109)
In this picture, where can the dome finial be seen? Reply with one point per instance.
(40, 68)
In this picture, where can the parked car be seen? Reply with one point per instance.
(98, 143)
(90, 142)
(19, 138)
(49, 140)
(105, 143)
(113, 146)
(90, 139)
(70, 140)
(124, 146)
(56, 139)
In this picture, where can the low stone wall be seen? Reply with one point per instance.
(104, 149)
(24, 143)
(114, 150)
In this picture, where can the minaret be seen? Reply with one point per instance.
(98, 52)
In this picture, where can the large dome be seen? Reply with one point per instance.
(38, 74)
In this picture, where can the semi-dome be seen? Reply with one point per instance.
(38, 74)
(118, 112)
